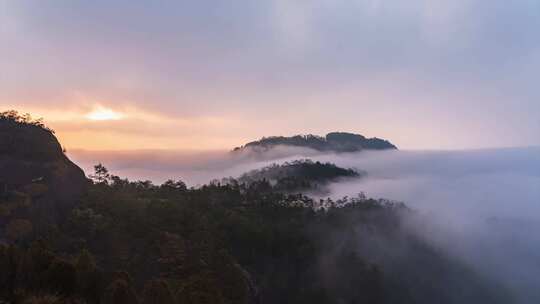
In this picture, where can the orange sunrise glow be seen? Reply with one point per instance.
(104, 114)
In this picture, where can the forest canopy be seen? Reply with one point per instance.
(257, 239)
(15, 118)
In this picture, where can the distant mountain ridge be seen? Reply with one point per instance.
(332, 142)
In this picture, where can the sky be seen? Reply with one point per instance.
(211, 75)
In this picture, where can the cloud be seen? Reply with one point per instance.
(415, 65)
(481, 207)
(195, 167)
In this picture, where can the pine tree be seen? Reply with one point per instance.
(119, 292)
(101, 174)
(88, 277)
(62, 277)
(157, 292)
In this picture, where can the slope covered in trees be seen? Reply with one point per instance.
(120, 241)
(299, 175)
(234, 243)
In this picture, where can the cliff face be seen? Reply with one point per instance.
(32, 163)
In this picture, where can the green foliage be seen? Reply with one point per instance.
(62, 277)
(27, 273)
(43, 299)
(336, 142)
(101, 174)
(120, 292)
(15, 117)
(173, 185)
(19, 229)
(157, 292)
(85, 262)
(298, 175)
(86, 222)
(235, 242)
(89, 278)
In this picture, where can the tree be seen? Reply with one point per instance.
(119, 292)
(6, 266)
(174, 185)
(19, 229)
(157, 292)
(88, 276)
(101, 174)
(14, 117)
(85, 262)
(43, 299)
(34, 264)
(118, 182)
(62, 277)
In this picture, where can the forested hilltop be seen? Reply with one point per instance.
(332, 142)
(240, 240)
(299, 175)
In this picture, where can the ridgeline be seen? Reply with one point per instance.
(338, 142)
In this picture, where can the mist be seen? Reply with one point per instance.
(482, 207)
(193, 167)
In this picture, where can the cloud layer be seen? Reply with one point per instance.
(482, 207)
(426, 74)
(479, 206)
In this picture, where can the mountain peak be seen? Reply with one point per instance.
(31, 156)
(332, 142)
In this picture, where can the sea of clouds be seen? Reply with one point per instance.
(480, 206)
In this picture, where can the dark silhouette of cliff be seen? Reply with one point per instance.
(37, 181)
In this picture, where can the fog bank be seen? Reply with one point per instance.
(479, 206)
(482, 207)
(193, 167)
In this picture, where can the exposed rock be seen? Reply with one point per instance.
(38, 183)
(32, 161)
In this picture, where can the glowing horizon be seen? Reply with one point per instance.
(102, 114)
(213, 75)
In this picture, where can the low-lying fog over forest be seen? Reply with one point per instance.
(269, 152)
(481, 206)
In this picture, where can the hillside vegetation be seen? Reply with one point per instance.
(241, 241)
(299, 175)
(332, 142)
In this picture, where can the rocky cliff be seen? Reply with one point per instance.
(37, 181)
